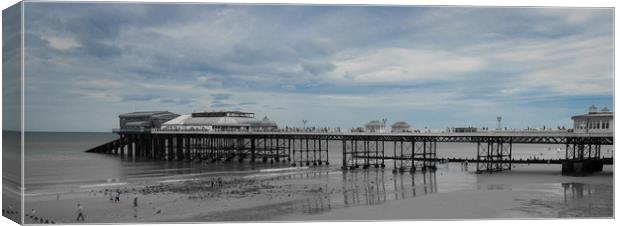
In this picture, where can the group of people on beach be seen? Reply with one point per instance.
(217, 182)
(81, 216)
(117, 197)
(40, 220)
(114, 195)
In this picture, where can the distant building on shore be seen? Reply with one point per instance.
(145, 119)
(401, 127)
(220, 121)
(594, 121)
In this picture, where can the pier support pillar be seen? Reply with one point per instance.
(494, 155)
(582, 157)
(252, 150)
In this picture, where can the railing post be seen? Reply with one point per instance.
(252, 150)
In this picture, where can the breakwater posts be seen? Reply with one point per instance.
(408, 151)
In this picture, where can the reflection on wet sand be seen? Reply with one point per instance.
(363, 188)
(576, 191)
(316, 205)
(571, 200)
(420, 184)
(370, 188)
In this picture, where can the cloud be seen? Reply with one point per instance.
(289, 87)
(139, 97)
(573, 65)
(221, 96)
(62, 43)
(99, 84)
(317, 67)
(176, 101)
(394, 65)
(246, 103)
(317, 62)
(221, 105)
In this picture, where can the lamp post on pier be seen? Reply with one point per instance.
(499, 122)
(384, 125)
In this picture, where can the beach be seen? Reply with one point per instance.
(61, 175)
(520, 194)
(322, 194)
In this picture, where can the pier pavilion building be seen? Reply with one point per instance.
(220, 121)
(401, 127)
(594, 121)
(143, 120)
(374, 126)
(465, 130)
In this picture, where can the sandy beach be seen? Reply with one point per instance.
(321, 194)
(176, 200)
(524, 194)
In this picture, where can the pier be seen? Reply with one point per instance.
(408, 152)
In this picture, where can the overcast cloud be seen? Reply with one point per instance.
(332, 65)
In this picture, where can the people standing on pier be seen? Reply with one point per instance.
(80, 212)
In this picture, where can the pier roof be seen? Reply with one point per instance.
(143, 113)
(594, 114)
(374, 123)
(191, 120)
(401, 124)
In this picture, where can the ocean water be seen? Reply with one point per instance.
(57, 162)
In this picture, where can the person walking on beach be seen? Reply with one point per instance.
(135, 202)
(80, 212)
(117, 198)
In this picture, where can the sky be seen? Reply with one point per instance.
(336, 66)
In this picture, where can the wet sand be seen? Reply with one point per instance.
(531, 192)
(177, 201)
(329, 194)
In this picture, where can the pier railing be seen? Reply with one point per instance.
(133, 130)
